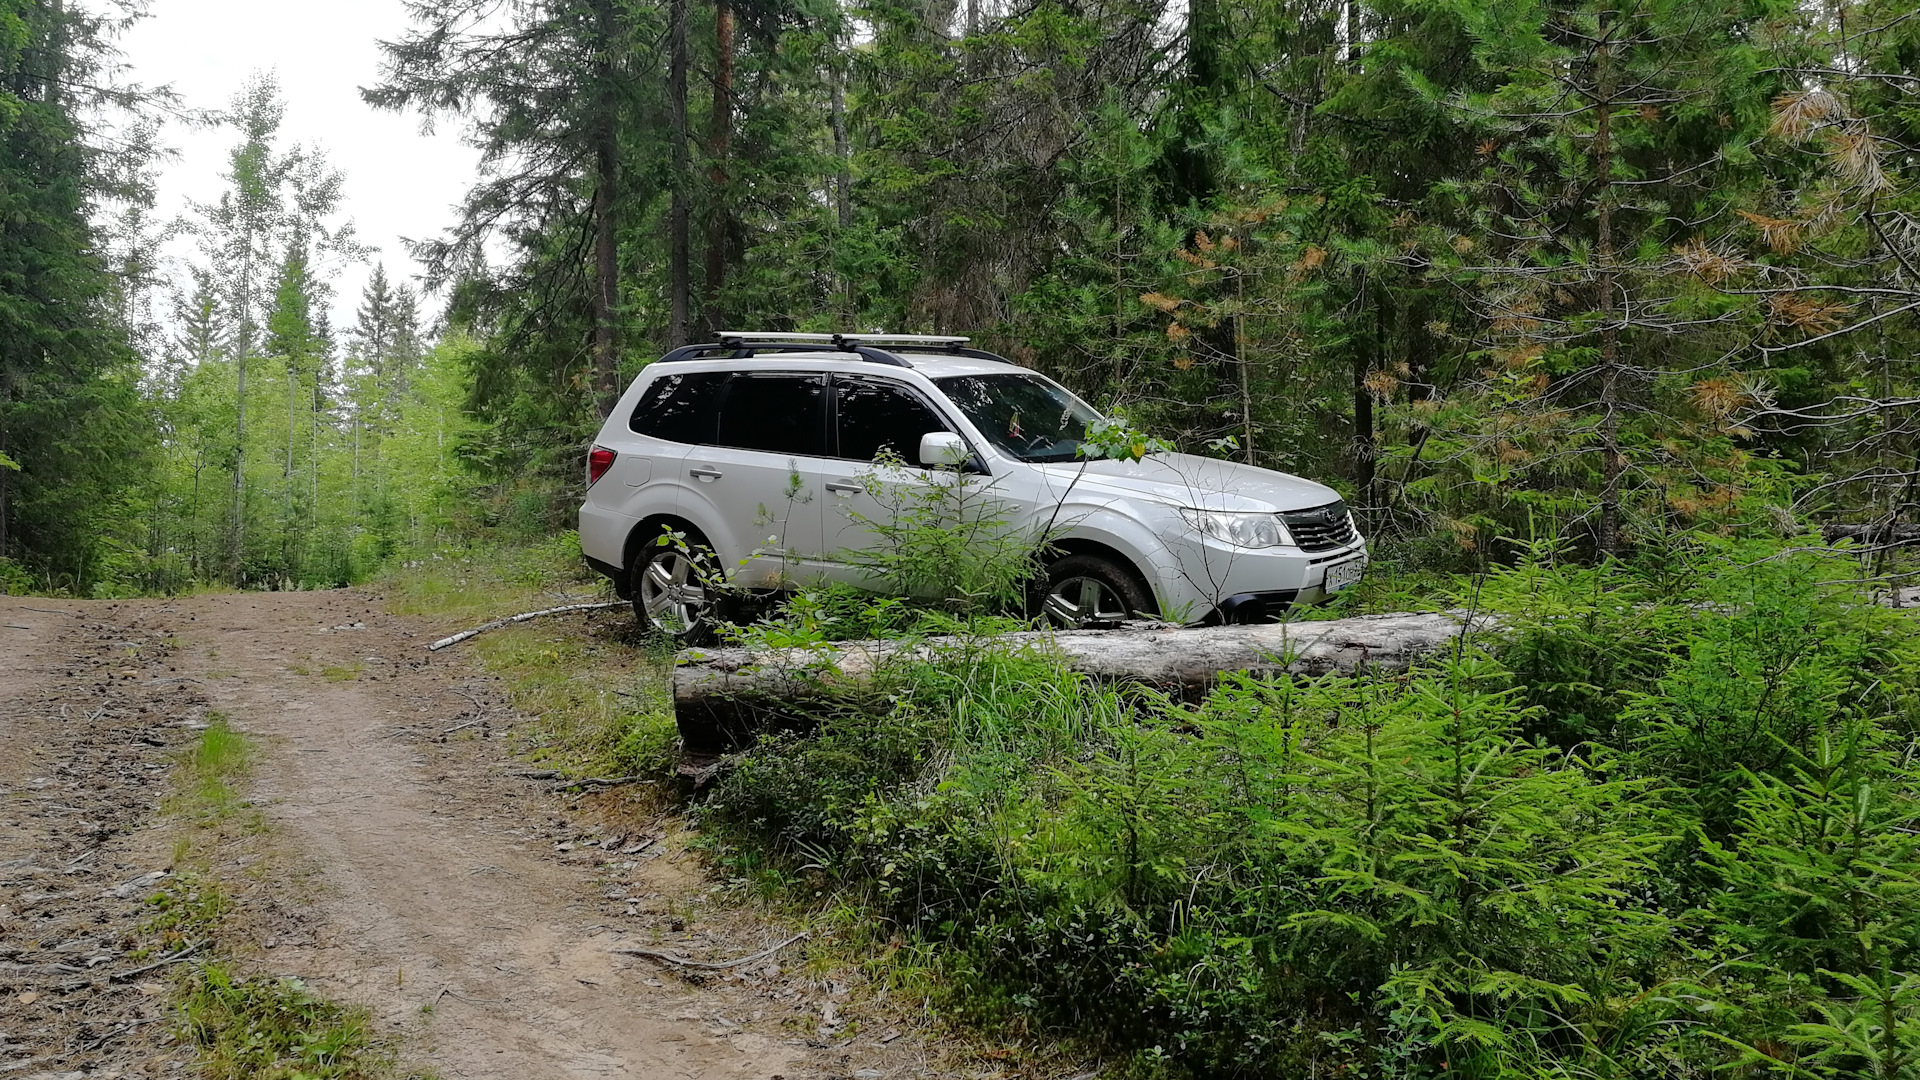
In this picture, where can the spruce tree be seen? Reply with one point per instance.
(71, 427)
(1614, 132)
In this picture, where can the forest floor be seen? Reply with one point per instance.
(401, 866)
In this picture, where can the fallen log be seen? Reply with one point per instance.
(723, 697)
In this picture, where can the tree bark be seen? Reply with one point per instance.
(842, 152)
(606, 263)
(842, 182)
(723, 697)
(1612, 465)
(680, 281)
(1365, 448)
(240, 461)
(719, 140)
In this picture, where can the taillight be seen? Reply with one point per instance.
(598, 463)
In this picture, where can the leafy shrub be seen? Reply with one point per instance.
(14, 579)
(944, 537)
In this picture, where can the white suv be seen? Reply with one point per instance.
(710, 439)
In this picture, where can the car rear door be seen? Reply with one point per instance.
(760, 477)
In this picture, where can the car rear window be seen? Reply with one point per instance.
(681, 408)
(780, 414)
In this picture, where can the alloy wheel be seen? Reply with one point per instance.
(1080, 601)
(673, 593)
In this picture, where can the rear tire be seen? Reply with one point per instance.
(675, 589)
(1082, 591)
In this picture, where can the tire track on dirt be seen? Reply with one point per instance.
(91, 714)
(462, 905)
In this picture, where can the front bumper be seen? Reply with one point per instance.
(1208, 582)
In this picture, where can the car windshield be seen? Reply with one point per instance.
(1025, 416)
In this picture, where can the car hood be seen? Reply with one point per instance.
(1188, 480)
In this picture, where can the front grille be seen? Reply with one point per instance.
(1322, 528)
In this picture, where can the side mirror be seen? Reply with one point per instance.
(943, 448)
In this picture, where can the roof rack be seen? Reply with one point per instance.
(873, 348)
(841, 340)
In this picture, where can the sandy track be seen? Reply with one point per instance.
(468, 908)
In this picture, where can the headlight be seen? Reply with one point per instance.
(1240, 530)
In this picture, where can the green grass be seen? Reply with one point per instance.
(242, 1026)
(206, 790)
(474, 584)
(601, 702)
(342, 672)
(599, 699)
(252, 1028)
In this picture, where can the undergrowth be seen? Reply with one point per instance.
(1661, 825)
(483, 581)
(599, 703)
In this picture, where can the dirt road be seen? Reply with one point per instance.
(471, 910)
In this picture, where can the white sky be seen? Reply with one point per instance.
(398, 181)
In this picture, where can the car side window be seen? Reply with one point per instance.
(876, 415)
(681, 408)
(780, 414)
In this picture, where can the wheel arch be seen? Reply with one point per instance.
(1086, 545)
(650, 528)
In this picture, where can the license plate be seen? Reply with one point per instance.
(1342, 574)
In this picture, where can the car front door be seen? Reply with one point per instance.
(874, 480)
(760, 477)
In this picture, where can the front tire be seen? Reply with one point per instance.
(675, 591)
(1082, 591)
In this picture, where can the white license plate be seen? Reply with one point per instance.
(1342, 574)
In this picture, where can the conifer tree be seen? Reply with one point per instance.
(547, 94)
(72, 433)
(1615, 130)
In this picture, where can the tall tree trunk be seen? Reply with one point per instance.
(6, 474)
(1245, 361)
(1365, 447)
(313, 461)
(287, 478)
(842, 151)
(842, 180)
(193, 518)
(606, 263)
(679, 285)
(719, 143)
(1611, 465)
(240, 461)
(1193, 164)
(56, 54)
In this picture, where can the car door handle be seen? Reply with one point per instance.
(843, 487)
(706, 473)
